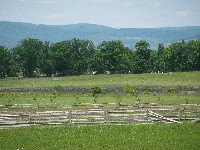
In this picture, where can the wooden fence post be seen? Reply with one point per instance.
(70, 117)
(106, 116)
(29, 118)
(180, 112)
(147, 116)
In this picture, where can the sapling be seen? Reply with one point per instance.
(138, 100)
(76, 99)
(95, 98)
(9, 101)
(52, 98)
(95, 91)
(119, 99)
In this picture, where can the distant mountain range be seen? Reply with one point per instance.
(13, 32)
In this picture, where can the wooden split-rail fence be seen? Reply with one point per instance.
(82, 117)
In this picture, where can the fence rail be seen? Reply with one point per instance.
(101, 116)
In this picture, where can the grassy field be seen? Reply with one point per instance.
(157, 89)
(147, 82)
(70, 98)
(111, 81)
(154, 136)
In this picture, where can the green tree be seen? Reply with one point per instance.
(193, 54)
(60, 53)
(45, 61)
(83, 53)
(142, 57)
(175, 55)
(6, 63)
(183, 56)
(112, 56)
(161, 58)
(72, 57)
(154, 61)
(26, 56)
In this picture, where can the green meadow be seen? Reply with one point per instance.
(154, 136)
(183, 79)
(42, 98)
(147, 89)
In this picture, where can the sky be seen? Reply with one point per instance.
(112, 13)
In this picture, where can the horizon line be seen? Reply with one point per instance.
(100, 25)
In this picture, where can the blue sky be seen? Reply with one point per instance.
(113, 13)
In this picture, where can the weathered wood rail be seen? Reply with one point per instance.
(81, 117)
(98, 116)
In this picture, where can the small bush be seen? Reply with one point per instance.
(95, 90)
(170, 90)
(129, 89)
(186, 101)
(58, 87)
(138, 100)
(147, 91)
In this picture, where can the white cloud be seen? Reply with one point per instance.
(182, 13)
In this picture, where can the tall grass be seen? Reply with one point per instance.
(155, 136)
(70, 98)
(164, 80)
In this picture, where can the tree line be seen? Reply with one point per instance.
(33, 57)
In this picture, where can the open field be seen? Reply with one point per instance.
(180, 79)
(155, 136)
(178, 90)
(69, 98)
(61, 113)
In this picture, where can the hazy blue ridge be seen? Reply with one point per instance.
(13, 32)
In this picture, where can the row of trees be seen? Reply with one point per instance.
(75, 57)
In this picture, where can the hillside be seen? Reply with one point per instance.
(12, 32)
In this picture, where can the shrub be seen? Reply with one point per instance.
(58, 87)
(95, 90)
(170, 90)
(129, 89)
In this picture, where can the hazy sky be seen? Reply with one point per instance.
(113, 13)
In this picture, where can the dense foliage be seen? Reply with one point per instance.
(33, 57)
